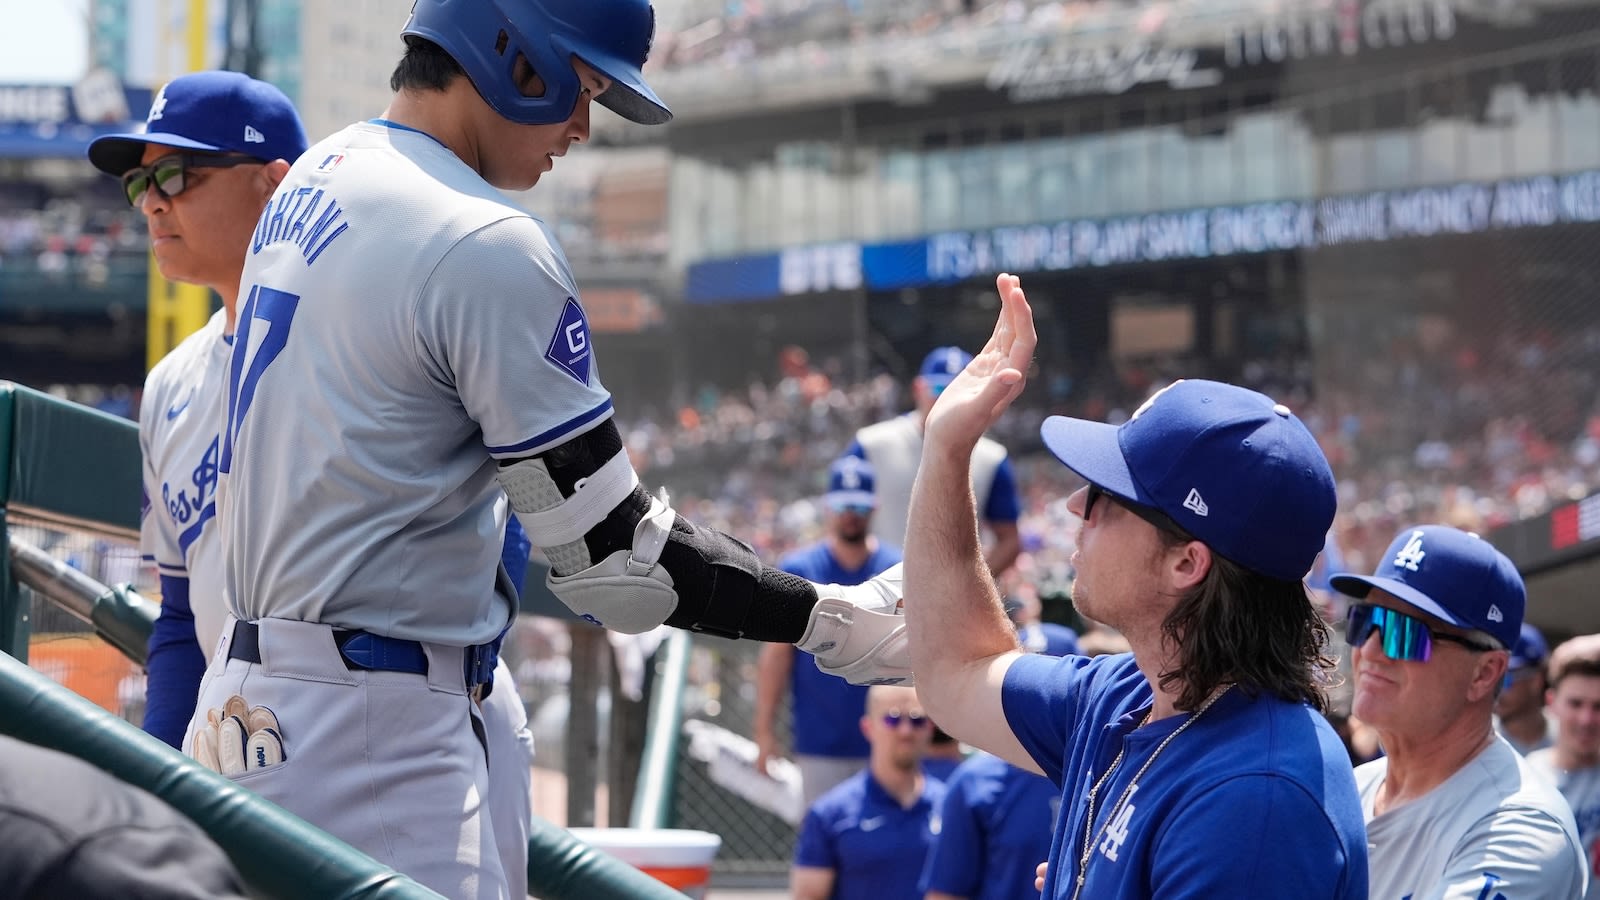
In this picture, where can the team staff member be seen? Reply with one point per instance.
(215, 146)
(1451, 809)
(1573, 764)
(828, 744)
(411, 346)
(894, 447)
(1199, 765)
(994, 826)
(867, 838)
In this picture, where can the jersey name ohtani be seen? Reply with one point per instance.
(290, 218)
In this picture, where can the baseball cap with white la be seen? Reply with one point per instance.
(1449, 574)
(1236, 470)
(850, 484)
(215, 112)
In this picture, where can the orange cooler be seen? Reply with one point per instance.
(678, 858)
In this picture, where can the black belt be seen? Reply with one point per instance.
(365, 651)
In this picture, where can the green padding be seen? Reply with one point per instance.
(279, 855)
(125, 619)
(560, 865)
(72, 460)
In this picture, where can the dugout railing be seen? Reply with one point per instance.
(66, 469)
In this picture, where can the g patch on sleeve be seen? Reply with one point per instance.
(569, 346)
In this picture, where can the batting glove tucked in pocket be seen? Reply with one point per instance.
(239, 738)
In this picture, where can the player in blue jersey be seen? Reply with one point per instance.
(828, 745)
(412, 352)
(867, 837)
(994, 826)
(215, 146)
(1200, 764)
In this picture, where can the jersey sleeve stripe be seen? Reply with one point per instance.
(174, 571)
(541, 442)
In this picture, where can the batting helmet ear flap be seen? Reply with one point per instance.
(485, 37)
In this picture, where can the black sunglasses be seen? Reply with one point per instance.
(167, 174)
(1155, 517)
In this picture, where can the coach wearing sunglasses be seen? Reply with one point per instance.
(1452, 810)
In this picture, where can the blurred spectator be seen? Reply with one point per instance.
(1521, 716)
(1573, 764)
(829, 745)
(867, 838)
(996, 821)
(894, 447)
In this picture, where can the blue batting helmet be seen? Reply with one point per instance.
(485, 36)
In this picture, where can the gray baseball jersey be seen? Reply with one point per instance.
(1494, 828)
(1581, 787)
(390, 347)
(179, 422)
(894, 447)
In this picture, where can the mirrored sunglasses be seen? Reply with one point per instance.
(167, 174)
(1403, 637)
(893, 719)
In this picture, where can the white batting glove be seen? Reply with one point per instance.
(857, 632)
(238, 738)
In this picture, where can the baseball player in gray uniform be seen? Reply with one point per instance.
(1452, 810)
(1573, 763)
(411, 348)
(215, 146)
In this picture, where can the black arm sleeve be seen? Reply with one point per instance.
(723, 588)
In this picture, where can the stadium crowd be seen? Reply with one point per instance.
(1472, 437)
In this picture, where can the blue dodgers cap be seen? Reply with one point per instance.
(850, 483)
(941, 366)
(1452, 575)
(1531, 650)
(1234, 469)
(219, 112)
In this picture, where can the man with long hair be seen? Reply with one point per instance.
(1200, 764)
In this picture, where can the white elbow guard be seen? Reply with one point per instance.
(858, 633)
(628, 590)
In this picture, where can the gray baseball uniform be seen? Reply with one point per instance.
(1494, 828)
(391, 345)
(1581, 787)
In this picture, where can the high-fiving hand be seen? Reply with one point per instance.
(975, 399)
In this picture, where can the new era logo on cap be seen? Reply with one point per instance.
(1196, 504)
(1495, 615)
(252, 136)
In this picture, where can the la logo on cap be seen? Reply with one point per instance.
(1411, 554)
(158, 105)
(1152, 402)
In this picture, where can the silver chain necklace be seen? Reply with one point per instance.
(1133, 785)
